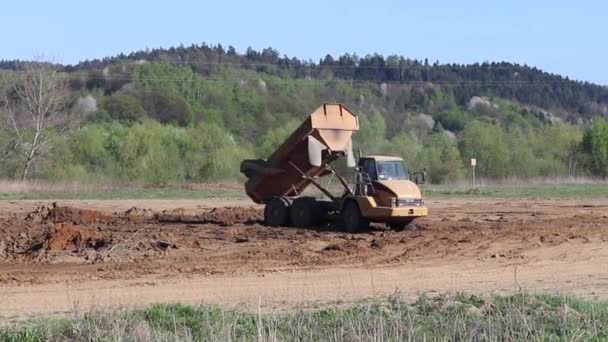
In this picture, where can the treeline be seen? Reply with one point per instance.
(155, 153)
(527, 85)
(162, 122)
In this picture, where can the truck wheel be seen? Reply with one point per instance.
(400, 226)
(305, 212)
(276, 212)
(353, 221)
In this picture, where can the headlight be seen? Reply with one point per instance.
(406, 202)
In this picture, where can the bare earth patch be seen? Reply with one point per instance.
(136, 252)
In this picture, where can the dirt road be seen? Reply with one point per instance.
(72, 255)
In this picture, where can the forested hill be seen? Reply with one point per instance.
(527, 85)
(191, 114)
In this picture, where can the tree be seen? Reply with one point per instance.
(441, 157)
(454, 120)
(595, 144)
(486, 143)
(34, 103)
(8, 144)
(522, 161)
(166, 106)
(562, 142)
(95, 80)
(371, 135)
(124, 108)
(274, 138)
(213, 154)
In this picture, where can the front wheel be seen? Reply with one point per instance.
(401, 225)
(353, 221)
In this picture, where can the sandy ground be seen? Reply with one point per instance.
(66, 258)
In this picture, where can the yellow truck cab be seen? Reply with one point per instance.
(385, 193)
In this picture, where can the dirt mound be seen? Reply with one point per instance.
(136, 215)
(69, 236)
(64, 214)
(227, 216)
(55, 234)
(232, 240)
(231, 216)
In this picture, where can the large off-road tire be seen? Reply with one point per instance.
(276, 212)
(401, 225)
(305, 212)
(352, 219)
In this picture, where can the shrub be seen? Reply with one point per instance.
(124, 108)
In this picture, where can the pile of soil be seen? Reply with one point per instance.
(227, 216)
(136, 215)
(69, 236)
(63, 214)
(232, 240)
(50, 233)
(56, 234)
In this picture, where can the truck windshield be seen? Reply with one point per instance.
(391, 170)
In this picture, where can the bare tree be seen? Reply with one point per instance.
(33, 104)
(8, 144)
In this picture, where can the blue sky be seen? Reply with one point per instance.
(565, 37)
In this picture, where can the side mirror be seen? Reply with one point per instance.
(420, 177)
(358, 168)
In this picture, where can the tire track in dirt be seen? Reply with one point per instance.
(111, 253)
(85, 243)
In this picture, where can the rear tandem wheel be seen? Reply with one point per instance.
(276, 212)
(305, 212)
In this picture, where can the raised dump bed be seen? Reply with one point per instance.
(323, 137)
(382, 189)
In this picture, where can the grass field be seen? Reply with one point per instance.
(523, 191)
(177, 192)
(122, 193)
(521, 317)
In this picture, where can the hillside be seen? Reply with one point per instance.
(174, 115)
(527, 85)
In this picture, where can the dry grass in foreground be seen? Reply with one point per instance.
(42, 190)
(10, 186)
(520, 317)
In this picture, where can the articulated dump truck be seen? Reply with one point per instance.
(382, 190)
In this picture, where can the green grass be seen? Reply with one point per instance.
(522, 191)
(521, 317)
(503, 191)
(126, 193)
